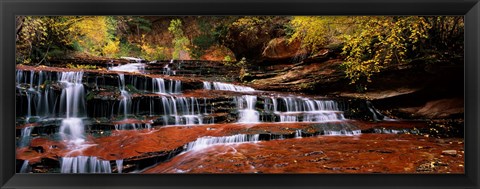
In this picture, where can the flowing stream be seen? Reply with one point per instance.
(75, 103)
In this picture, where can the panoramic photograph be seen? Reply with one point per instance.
(240, 94)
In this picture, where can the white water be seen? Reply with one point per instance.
(205, 142)
(207, 85)
(230, 87)
(343, 132)
(133, 126)
(85, 164)
(159, 86)
(297, 109)
(298, 133)
(37, 98)
(72, 100)
(72, 103)
(119, 165)
(133, 67)
(246, 109)
(391, 131)
(126, 100)
(72, 131)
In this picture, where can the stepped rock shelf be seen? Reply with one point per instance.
(155, 118)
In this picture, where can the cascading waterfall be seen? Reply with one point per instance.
(126, 99)
(231, 87)
(84, 164)
(133, 126)
(185, 110)
(246, 109)
(159, 86)
(133, 67)
(176, 86)
(295, 109)
(174, 109)
(25, 136)
(73, 104)
(205, 142)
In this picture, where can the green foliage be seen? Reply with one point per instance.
(227, 59)
(81, 66)
(380, 41)
(39, 35)
(316, 32)
(241, 64)
(96, 35)
(204, 41)
(370, 43)
(180, 41)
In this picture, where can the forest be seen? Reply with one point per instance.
(240, 94)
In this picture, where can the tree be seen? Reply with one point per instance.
(380, 41)
(180, 41)
(370, 43)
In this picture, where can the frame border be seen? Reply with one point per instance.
(10, 8)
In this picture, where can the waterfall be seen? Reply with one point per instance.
(158, 85)
(167, 70)
(231, 87)
(72, 96)
(246, 108)
(25, 167)
(119, 165)
(207, 85)
(72, 130)
(126, 100)
(73, 104)
(133, 126)
(133, 67)
(343, 132)
(296, 109)
(185, 110)
(175, 88)
(84, 164)
(25, 136)
(208, 141)
(298, 133)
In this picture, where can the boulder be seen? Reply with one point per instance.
(281, 49)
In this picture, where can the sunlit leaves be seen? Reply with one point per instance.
(370, 43)
(381, 41)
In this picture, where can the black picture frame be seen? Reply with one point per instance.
(10, 8)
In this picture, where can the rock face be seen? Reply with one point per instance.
(279, 49)
(410, 90)
(443, 108)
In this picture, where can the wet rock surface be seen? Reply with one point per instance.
(367, 153)
(155, 121)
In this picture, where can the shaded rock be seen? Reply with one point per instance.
(281, 49)
(438, 108)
